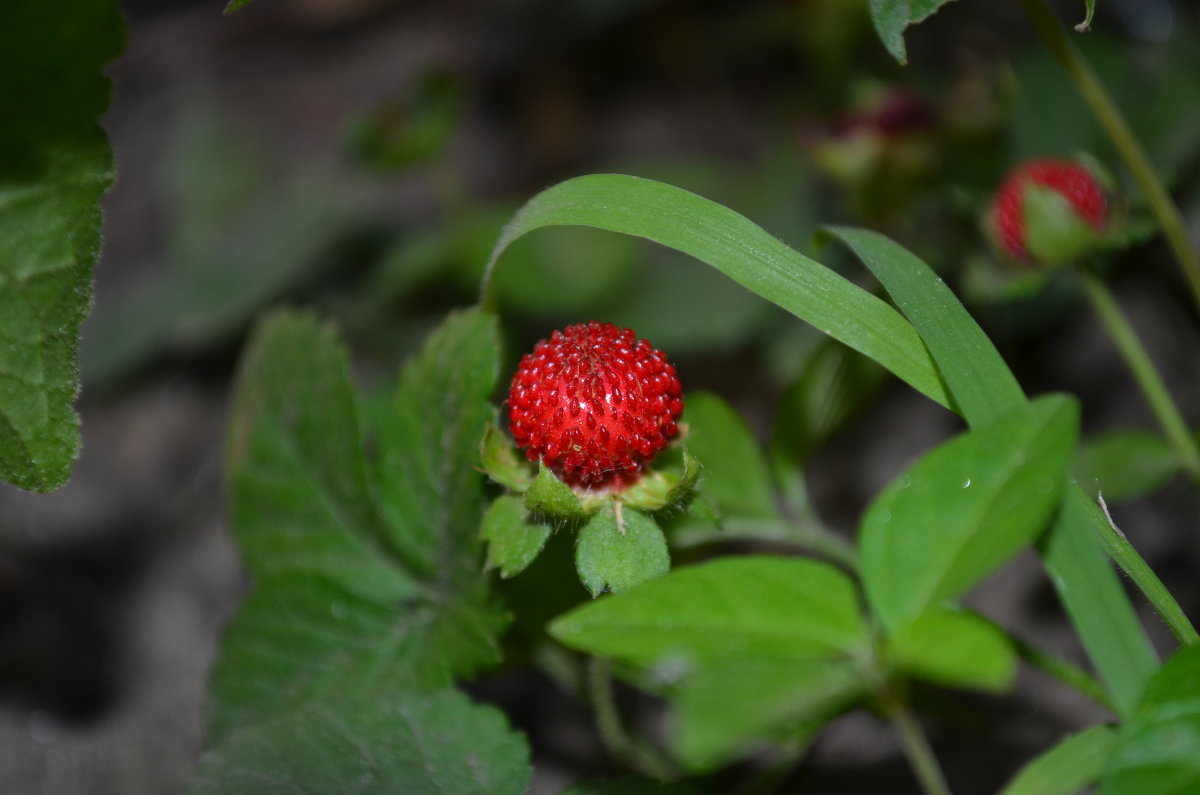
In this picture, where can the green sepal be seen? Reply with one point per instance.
(619, 548)
(549, 496)
(502, 462)
(514, 538)
(1054, 231)
(664, 488)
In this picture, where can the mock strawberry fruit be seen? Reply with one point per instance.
(1049, 211)
(594, 403)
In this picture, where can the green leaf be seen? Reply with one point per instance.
(984, 390)
(741, 607)
(891, 17)
(965, 508)
(741, 250)
(1069, 767)
(235, 5)
(736, 476)
(954, 649)
(1158, 747)
(632, 786)
(330, 580)
(513, 540)
(502, 462)
(388, 741)
(550, 497)
(55, 164)
(723, 709)
(1125, 465)
(619, 548)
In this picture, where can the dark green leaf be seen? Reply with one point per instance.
(235, 5)
(1158, 747)
(55, 164)
(502, 462)
(965, 508)
(736, 477)
(550, 497)
(1071, 766)
(330, 581)
(891, 17)
(1125, 465)
(741, 250)
(513, 539)
(619, 548)
(744, 607)
(954, 649)
(385, 742)
(984, 390)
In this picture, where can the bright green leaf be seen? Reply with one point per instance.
(954, 649)
(513, 540)
(502, 462)
(1158, 747)
(377, 743)
(742, 251)
(619, 548)
(1125, 465)
(736, 476)
(1070, 766)
(891, 17)
(550, 497)
(965, 508)
(744, 607)
(55, 164)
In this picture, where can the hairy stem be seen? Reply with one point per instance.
(1080, 71)
(1144, 372)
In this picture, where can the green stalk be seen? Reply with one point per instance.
(916, 748)
(1144, 372)
(1125, 556)
(1063, 671)
(1080, 71)
(621, 746)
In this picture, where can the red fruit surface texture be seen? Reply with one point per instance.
(1069, 179)
(594, 403)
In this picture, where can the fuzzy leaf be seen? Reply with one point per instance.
(513, 540)
(55, 164)
(620, 549)
(1158, 747)
(955, 649)
(388, 741)
(1069, 767)
(549, 496)
(965, 508)
(891, 17)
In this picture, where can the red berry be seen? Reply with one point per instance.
(1074, 182)
(594, 403)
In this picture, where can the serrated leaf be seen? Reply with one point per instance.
(379, 743)
(751, 607)
(55, 164)
(736, 476)
(330, 580)
(954, 649)
(1158, 747)
(513, 539)
(502, 462)
(1124, 465)
(1070, 766)
(549, 496)
(619, 548)
(725, 709)
(891, 17)
(965, 508)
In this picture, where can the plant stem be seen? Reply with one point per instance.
(1147, 377)
(1072, 61)
(917, 749)
(1063, 671)
(1124, 555)
(638, 756)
